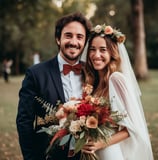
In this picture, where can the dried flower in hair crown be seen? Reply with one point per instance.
(105, 30)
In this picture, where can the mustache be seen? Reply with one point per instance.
(72, 46)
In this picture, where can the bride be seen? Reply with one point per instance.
(109, 70)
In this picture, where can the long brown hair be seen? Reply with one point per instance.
(101, 86)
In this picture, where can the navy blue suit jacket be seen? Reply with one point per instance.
(41, 80)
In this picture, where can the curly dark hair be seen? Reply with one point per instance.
(77, 16)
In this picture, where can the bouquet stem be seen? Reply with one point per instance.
(90, 156)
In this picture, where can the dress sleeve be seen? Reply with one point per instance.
(124, 99)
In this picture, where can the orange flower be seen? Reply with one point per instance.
(88, 98)
(91, 122)
(121, 39)
(108, 30)
(95, 100)
(88, 89)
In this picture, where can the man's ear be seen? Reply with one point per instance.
(58, 42)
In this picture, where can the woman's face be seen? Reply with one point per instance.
(99, 54)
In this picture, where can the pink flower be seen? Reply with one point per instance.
(61, 113)
(108, 30)
(91, 122)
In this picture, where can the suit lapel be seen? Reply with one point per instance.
(55, 74)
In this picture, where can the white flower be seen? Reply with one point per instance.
(71, 103)
(82, 120)
(75, 126)
(62, 122)
(98, 28)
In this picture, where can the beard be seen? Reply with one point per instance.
(71, 56)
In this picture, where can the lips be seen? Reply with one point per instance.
(97, 61)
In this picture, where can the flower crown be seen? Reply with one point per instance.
(105, 30)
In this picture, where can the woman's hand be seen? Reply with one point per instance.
(92, 147)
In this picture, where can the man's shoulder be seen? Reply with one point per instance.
(43, 65)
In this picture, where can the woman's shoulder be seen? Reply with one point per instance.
(117, 75)
(118, 80)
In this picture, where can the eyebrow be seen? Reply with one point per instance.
(103, 47)
(80, 34)
(99, 47)
(67, 33)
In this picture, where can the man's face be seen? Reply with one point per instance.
(72, 41)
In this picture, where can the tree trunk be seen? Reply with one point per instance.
(140, 60)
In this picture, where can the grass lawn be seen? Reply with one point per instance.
(149, 100)
(9, 147)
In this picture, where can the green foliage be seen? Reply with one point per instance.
(118, 14)
(65, 140)
(28, 26)
(79, 144)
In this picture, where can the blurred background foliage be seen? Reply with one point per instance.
(27, 27)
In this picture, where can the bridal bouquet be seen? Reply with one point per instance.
(78, 120)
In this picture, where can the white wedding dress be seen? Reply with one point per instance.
(124, 99)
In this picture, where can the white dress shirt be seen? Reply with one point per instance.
(72, 83)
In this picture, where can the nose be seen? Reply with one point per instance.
(97, 53)
(73, 41)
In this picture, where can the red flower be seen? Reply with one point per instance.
(104, 115)
(85, 110)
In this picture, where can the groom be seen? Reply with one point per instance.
(52, 82)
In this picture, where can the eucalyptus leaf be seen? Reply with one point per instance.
(101, 132)
(82, 135)
(72, 141)
(64, 140)
(79, 144)
(43, 129)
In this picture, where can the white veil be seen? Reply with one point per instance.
(127, 68)
(137, 108)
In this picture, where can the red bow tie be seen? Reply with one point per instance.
(76, 68)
